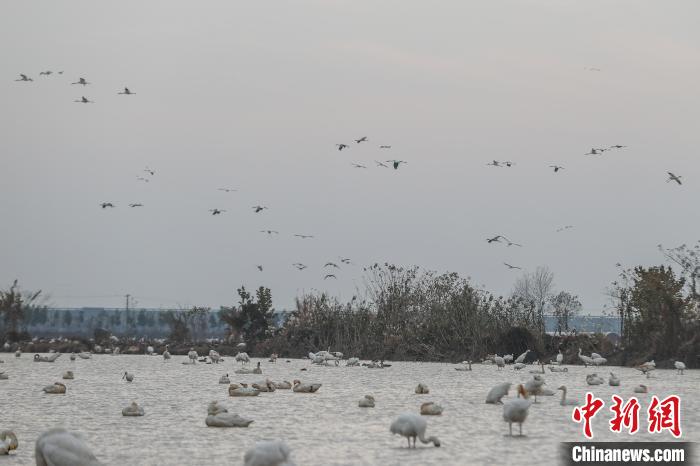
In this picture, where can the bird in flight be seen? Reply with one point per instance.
(81, 81)
(304, 236)
(496, 239)
(567, 227)
(45, 73)
(330, 275)
(149, 171)
(362, 139)
(84, 100)
(126, 91)
(510, 243)
(104, 205)
(269, 232)
(617, 146)
(24, 77)
(141, 178)
(260, 268)
(381, 164)
(385, 147)
(508, 163)
(495, 163)
(672, 177)
(227, 190)
(258, 208)
(331, 264)
(342, 146)
(556, 168)
(135, 205)
(216, 211)
(511, 267)
(396, 163)
(358, 165)
(595, 151)
(299, 265)
(345, 260)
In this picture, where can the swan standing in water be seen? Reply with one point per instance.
(613, 381)
(8, 442)
(218, 416)
(680, 366)
(496, 393)
(214, 356)
(129, 377)
(192, 355)
(517, 410)
(305, 387)
(133, 410)
(422, 389)
(564, 401)
(412, 426)
(366, 402)
(560, 358)
(68, 375)
(430, 409)
(166, 353)
(268, 453)
(57, 388)
(58, 447)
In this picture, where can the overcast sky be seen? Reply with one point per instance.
(255, 95)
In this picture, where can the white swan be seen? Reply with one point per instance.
(149, 350)
(192, 355)
(508, 358)
(8, 442)
(353, 362)
(430, 409)
(412, 426)
(560, 358)
(166, 353)
(558, 369)
(464, 366)
(214, 356)
(283, 385)
(218, 416)
(224, 379)
(83, 355)
(564, 401)
(585, 359)
(242, 390)
(305, 387)
(522, 357)
(129, 377)
(265, 386)
(599, 361)
(500, 362)
(57, 388)
(366, 402)
(613, 381)
(596, 356)
(18, 353)
(680, 366)
(268, 453)
(133, 410)
(243, 358)
(68, 375)
(496, 393)
(534, 386)
(422, 389)
(641, 389)
(517, 410)
(58, 447)
(594, 379)
(519, 365)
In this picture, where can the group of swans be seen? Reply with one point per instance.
(8, 442)
(595, 359)
(218, 416)
(422, 389)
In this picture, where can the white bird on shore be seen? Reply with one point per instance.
(214, 356)
(8, 442)
(464, 366)
(560, 358)
(268, 453)
(585, 359)
(68, 375)
(519, 365)
(58, 447)
(366, 402)
(500, 362)
(412, 426)
(284, 385)
(422, 389)
(613, 381)
(431, 409)
(517, 410)
(243, 358)
(496, 393)
(508, 358)
(534, 386)
(353, 362)
(564, 401)
(166, 353)
(680, 366)
(522, 357)
(192, 355)
(305, 387)
(133, 410)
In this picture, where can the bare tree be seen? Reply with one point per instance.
(535, 288)
(688, 258)
(13, 305)
(565, 306)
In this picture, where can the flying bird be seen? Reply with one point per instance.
(567, 227)
(330, 275)
(216, 211)
(496, 239)
(345, 260)
(304, 236)
(299, 265)
(385, 147)
(508, 163)
(495, 163)
(617, 146)
(81, 81)
(556, 168)
(149, 171)
(260, 268)
(45, 73)
(510, 243)
(141, 178)
(672, 177)
(396, 163)
(104, 205)
(595, 151)
(362, 139)
(269, 232)
(227, 190)
(381, 164)
(126, 91)
(258, 208)
(593, 69)
(24, 77)
(358, 165)
(331, 264)
(135, 205)
(84, 100)
(511, 267)
(342, 146)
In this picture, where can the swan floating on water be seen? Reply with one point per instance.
(430, 409)
(613, 381)
(56, 388)
(366, 402)
(283, 385)
(85, 355)
(265, 386)
(353, 362)
(594, 379)
(641, 389)
(464, 366)
(412, 426)
(268, 453)
(218, 416)
(305, 387)
(58, 447)
(242, 390)
(8, 442)
(50, 358)
(224, 379)
(564, 401)
(558, 369)
(129, 377)
(422, 389)
(496, 393)
(133, 410)
(584, 359)
(68, 375)
(517, 410)
(258, 369)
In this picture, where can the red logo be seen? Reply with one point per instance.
(665, 415)
(587, 412)
(625, 416)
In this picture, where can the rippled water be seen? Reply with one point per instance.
(326, 428)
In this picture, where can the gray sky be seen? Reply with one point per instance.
(254, 95)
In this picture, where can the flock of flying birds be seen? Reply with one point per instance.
(342, 146)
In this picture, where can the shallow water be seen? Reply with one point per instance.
(326, 428)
